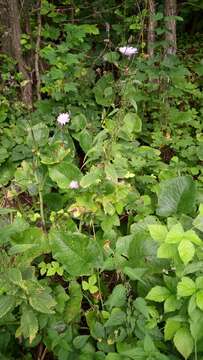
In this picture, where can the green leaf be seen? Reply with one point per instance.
(184, 342)
(176, 196)
(141, 305)
(99, 90)
(135, 273)
(131, 124)
(64, 173)
(158, 294)
(175, 234)
(116, 318)
(170, 328)
(29, 324)
(7, 302)
(191, 235)
(171, 304)
(42, 301)
(54, 153)
(199, 299)
(198, 222)
(92, 178)
(78, 253)
(15, 276)
(80, 341)
(166, 251)
(158, 232)
(38, 135)
(186, 251)
(149, 346)
(118, 297)
(186, 287)
(73, 307)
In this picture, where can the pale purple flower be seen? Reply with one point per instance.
(74, 184)
(63, 118)
(128, 50)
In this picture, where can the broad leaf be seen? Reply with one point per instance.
(158, 294)
(64, 173)
(186, 251)
(186, 287)
(158, 232)
(184, 342)
(42, 301)
(170, 328)
(176, 196)
(77, 253)
(7, 302)
(118, 297)
(29, 324)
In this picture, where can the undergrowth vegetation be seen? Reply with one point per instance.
(101, 190)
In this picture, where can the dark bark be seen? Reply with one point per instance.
(170, 37)
(15, 35)
(151, 28)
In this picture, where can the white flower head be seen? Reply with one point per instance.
(74, 184)
(128, 50)
(63, 118)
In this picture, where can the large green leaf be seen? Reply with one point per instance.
(29, 324)
(176, 195)
(54, 153)
(42, 301)
(6, 304)
(38, 135)
(64, 173)
(76, 252)
(186, 251)
(103, 90)
(184, 342)
(158, 294)
(118, 297)
(186, 287)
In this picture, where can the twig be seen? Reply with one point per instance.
(37, 50)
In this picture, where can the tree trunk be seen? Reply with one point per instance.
(151, 28)
(15, 35)
(170, 37)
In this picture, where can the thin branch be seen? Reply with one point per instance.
(37, 51)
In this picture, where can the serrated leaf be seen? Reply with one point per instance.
(171, 304)
(76, 252)
(184, 342)
(135, 273)
(186, 251)
(186, 287)
(80, 341)
(191, 235)
(166, 251)
(158, 232)
(38, 134)
(158, 294)
(118, 297)
(42, 302)
(7, 302)
(117, 317)
(170, 328)
(29, 324)
(175, 234)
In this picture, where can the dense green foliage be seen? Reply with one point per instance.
(102, 218)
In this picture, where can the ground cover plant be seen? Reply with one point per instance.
(101, 183)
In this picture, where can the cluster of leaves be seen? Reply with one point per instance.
(111, 268)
